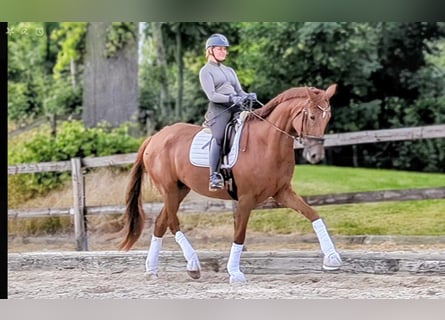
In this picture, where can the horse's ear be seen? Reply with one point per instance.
(330, 91)
(310, 94)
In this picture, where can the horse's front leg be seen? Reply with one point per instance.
(242, 214)
(332, 259)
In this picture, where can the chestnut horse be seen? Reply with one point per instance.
(264, 169)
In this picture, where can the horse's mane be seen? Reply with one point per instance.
(292, 93)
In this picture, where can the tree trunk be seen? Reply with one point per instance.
(73, 71)
(110, 84)
(161, 59)
(180, 64)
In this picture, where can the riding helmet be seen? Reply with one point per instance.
(217, 40)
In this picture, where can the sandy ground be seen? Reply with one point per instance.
(125, 282)
(60, 284)
(129, 283)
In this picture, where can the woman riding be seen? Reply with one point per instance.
(223, 89)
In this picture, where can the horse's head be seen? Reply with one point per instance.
(311, 123)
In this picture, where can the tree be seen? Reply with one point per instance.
(388, 74)
(36, 83)
(385, 80)
(29, 61)
(161, 62)
(172, 66)
(111, 74)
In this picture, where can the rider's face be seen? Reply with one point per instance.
(220, 53)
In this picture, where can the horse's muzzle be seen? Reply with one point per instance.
(313, 150)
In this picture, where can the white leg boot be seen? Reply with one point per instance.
(193, 266)
(151, 264)
(233, 264)
(332, 259)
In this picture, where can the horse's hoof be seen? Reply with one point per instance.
(237, 278)
(332, 262)
(151, 276)
(196, 274)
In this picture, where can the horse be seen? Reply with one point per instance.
(264, 169)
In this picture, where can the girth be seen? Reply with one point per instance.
(228, 140)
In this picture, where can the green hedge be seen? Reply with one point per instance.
(72, 140)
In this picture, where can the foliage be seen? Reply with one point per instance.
(118, 35)
(70, 38)
(191, 52)
(389, 75)
(73, 140)
(37, 64)
(27, 57)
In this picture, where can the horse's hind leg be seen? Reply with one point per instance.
(151, 263)
(168, 218)
(172, 199)
(332, 259)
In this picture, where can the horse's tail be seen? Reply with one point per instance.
(134, 213)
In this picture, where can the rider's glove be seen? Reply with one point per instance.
(251, 96)
(237, 100)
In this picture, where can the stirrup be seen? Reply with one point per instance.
(216, 182)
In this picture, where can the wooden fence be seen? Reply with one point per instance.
(80, 210)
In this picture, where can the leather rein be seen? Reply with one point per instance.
(299, 137)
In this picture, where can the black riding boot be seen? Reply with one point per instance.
(216, 180)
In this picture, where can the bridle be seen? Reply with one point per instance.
(300, 137)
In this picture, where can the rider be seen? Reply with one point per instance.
(222, 87)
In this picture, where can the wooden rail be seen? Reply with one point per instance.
(375, 136)
(255, 262)
(212, 206)
(331, 140)
(79, 210)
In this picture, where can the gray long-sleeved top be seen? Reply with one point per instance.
(219, 82)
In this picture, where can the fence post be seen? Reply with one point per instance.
(80, 225)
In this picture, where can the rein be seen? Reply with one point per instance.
(273, 125)
(215, 116)
(297, 137)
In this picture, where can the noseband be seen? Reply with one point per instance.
(301, 137)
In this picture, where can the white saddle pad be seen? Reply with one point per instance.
(199, 150)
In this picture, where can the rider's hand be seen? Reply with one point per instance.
(237, 100)
(252, 96)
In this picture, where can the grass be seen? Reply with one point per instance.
(385, 218)
(319, 179)
(409, 218)
(423, 217)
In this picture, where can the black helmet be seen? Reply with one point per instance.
(217, 40)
